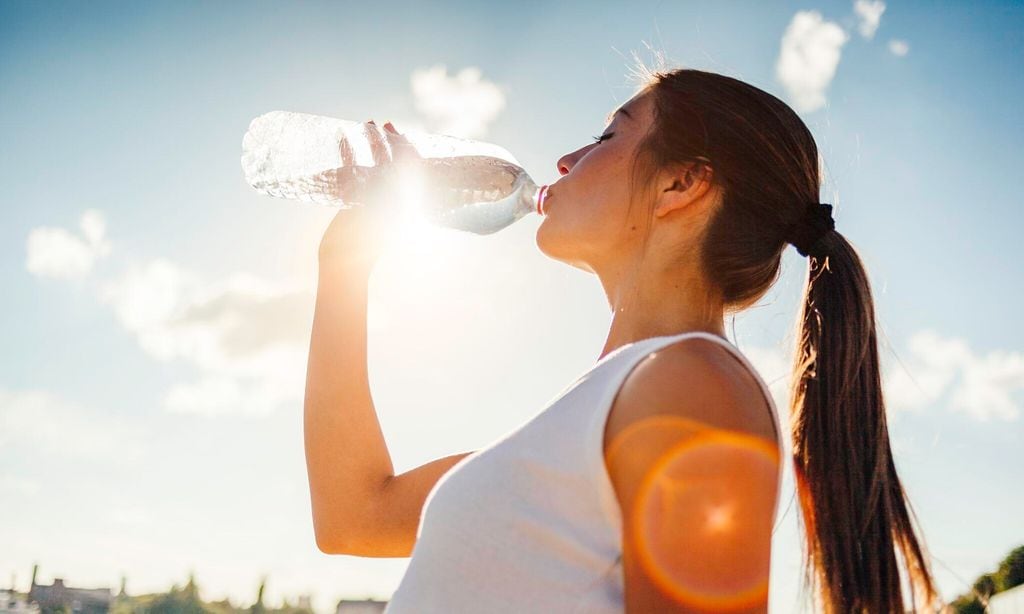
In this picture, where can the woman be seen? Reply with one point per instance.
(651, 483)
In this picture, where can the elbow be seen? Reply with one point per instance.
(336, 544)
(343, 529)
(329, 538)
(326, 541)
(330, 541)
(361, 544)
(332, 538)
(327, 544)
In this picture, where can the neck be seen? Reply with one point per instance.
(656, 303)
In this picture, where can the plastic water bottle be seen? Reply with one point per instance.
(462, 184)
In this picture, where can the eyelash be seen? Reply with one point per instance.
(603, 137)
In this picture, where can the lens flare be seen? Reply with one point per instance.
(400, 224)
(407, 226)
(701, 519)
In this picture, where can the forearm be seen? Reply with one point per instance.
(347, 459)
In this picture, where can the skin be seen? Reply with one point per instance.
(360, 506)
(646, 259)
(654, 289)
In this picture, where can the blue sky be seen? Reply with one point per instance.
(157, 309)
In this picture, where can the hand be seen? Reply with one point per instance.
(356, 236)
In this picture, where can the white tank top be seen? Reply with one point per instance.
(531, 523)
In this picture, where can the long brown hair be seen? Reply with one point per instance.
(856, 516)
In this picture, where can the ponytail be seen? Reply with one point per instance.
(855, 513)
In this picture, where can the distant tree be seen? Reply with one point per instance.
(967, 604)
(191, 591)
(221, 607)
(178, 601)
(185, 600)
(123, 605)
(1009, 574)
(258, 608)
(288, 608)
(985, 586)
(1011, 570)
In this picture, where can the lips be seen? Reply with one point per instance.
(542, 198)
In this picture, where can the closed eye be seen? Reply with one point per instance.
(603, 137)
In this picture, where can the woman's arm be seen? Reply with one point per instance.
(347, 459)
(359, 506)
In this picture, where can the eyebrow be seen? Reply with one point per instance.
(608, 118)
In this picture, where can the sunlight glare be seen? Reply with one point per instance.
(710, 494)
(411, 231)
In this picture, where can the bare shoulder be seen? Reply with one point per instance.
(674, 394)
(697, 379)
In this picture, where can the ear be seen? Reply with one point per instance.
(681, 185)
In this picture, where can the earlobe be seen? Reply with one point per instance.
(670, 200)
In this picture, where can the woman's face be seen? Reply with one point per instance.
(586, 222)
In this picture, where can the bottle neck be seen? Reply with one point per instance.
(531, 197)
(542, 192)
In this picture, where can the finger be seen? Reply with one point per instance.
(401, 148)
(379, 146)
(348, 157)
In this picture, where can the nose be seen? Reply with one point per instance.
(566, 162)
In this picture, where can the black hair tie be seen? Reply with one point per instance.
(806, 232)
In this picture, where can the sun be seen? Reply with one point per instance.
(410, 230)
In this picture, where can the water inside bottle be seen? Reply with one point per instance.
(480, 194)
(476, 193)
(452, 182)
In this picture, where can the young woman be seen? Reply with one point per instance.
(651, 483)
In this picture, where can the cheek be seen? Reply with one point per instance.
(590, 220)
(586, 232)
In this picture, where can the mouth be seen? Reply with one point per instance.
(542, 198)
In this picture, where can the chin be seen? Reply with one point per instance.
(550, 245)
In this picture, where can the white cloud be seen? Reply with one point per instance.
(460, 105)
(246, 336)
(936, 363)
(939, 372)
(810, 52)
(58, 253)
(775, 369)
(899, 47)
(146, 296)
(869, 14)
(987, 384)
(947, 370)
